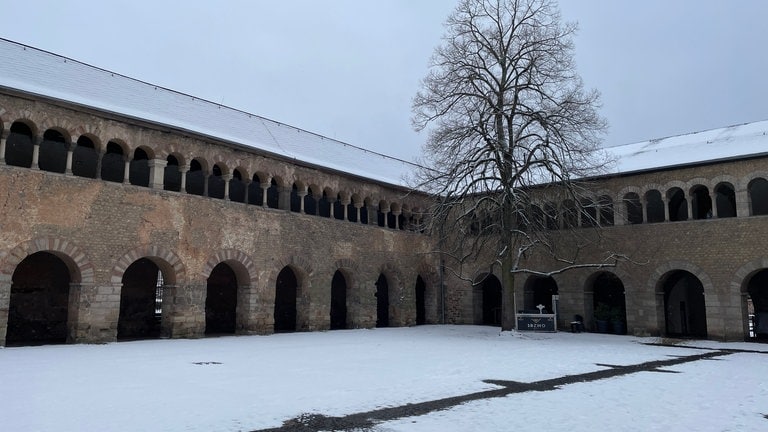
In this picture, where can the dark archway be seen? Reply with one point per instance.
(684, 309)
(609, 301)
(172, 174)
(539, 291)
(421, 304)
(273, 195)
(725, 200)
(654, 206)
(758, 196)
(286, 292)
(255, 192)
(633, 208)
(39, 303)
(113, 163)
(382, 301)
(757, 290)
(491, 289)
(140, 301)
(53, 152)
(237, 187)
(85, 158)
(195, 182)
(338, 301)
(216, 183)
(138, 173)
(19, 146)
(701, 203)
(221, 301)
(678, 205)
(295, 199)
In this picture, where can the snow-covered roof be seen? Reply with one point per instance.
(728, 143)
(40, 72)
(43, 73)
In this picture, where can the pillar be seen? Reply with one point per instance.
(2, 148)
(127, 171)
(713, 200)
(665, 201)
(157, 173)
(227, 178)
(264, 189)
(184, 169)
(70, 151)
(36, 154)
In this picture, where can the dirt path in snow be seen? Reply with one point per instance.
(369, 419)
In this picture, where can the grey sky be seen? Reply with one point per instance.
(348, 69)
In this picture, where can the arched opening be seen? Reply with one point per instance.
(678, 205)
(39, 303)
(172, 174)
(324, 206)
(53, 152)
(364, 213)
(382, 301)
(139, 169)
(85, 158)
(195, 183)
(221, 301)
(310, 202)
(609, 305)
(606, 210)
(701, 203)
(391, 220)
(421, 301)
(338, 208)
(655, 206)
(338, 301)
(237, 187)
(539, 291)
(550, 216)
(295, 199)
(255, 192)
(113, 163)
(286, 291)
(634, 208)
(725, 200)
(273, 195)
(570, 216)
(684, 309)
(588, 213)
(537, 218)
(19, 146)
(216, 183)
(757, 306)
(141, 301)
(352, 212)
(490, 287)
(758, 196)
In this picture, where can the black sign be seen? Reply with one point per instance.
(536, 322)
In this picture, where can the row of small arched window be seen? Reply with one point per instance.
(52, 154)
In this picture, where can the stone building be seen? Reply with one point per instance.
(132, 211)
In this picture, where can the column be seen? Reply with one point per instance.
(184, 169)
(70, 151)
(2, 147)
(331, 205)
(397, 218)
(157, 173)
(644, 203)
(713, 200)
(247, 186)
(346, 204)
(358, 206)
(301, 194)
(264, 189)
(127, 171)
(665, 201)
(99, 158)
(689, 204)
(36, 153)
(227, 178)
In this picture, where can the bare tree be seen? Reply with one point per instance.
(508, 118)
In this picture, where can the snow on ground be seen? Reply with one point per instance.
(252, 382)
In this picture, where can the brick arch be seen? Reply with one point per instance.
(746, 180)
(629, 189)
(63, 126)
(3, 120)
(242, 264)
(684, 186)
(726, 178)
(699, 181)
(652, 186)
(588, 279)
(654, 281)
(92, 131)
(742, 275)
(300, 266)
(27, 118)
(349, 269)
(78, 262)
(174, 271)
(394, 279)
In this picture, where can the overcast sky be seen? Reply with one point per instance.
(348, 69)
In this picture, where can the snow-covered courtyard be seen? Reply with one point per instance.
(245, 383)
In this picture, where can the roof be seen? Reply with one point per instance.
(728, 143)
(43, 73)
(46, 74)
